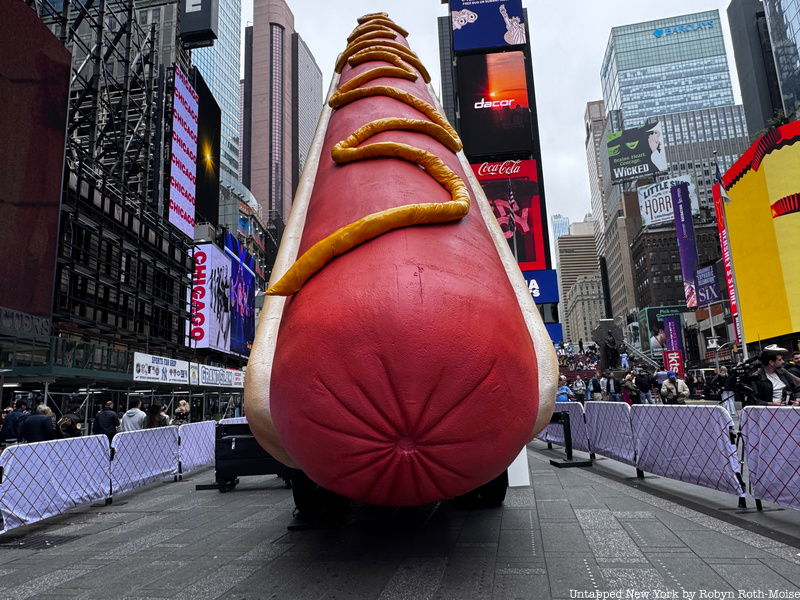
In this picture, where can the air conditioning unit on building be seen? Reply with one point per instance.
(204, 232)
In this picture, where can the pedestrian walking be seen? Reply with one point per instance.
(69, 425)
(181, 416)
(13, 422)
(155, 418)
(134, 418)
(106, 421)
(629, 388)
(613, 388)
(39, 426)
(642, 381)
(579, 389)
(564, 393)
(595, 389)
(674, 390)
(722, 385)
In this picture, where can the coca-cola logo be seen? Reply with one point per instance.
(509, 167)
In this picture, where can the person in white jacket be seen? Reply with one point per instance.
(134, 419)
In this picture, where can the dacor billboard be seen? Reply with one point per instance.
(763, 219)
(484, 24)
(495, 116)
(655, 200)
(209, 122)
(34, 89)
(199, 22)
(183, 179)
(634, 153)
(512, 188)
(243, 290)
(211, 299)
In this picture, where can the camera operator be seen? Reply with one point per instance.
(772, 385)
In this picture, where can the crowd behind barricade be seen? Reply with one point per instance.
(22, 423)
(766, 380)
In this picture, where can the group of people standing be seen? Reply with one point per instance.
(637, 387)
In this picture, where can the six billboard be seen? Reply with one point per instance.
(655, 200)
(634, 153)
(707, 284)
(211, 292)
(487, 24)
(495, 116)
(34, 95)
(243, 288)
(512, 188)
(763, 221)
(183, 180)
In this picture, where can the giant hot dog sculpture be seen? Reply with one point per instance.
(400, 358)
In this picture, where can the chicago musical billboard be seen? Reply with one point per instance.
(512, 188)
(495, 114)
(183, 179)
(487, 24)
(211, 292)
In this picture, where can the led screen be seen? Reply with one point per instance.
(243, 290)
(183, 179)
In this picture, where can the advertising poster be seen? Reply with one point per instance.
(707, 286)
(653, 328)
(727, 263)
(243, 291)
(183, 178)
(634, 153)
(673, 331)
(673, 361)
(219, 377)
(158, 369)
(512, 189)
(211, 292)
(495, 115)
(684, 229)
(34, 94)
(763, 219)
(479, 24)
(543, 285)
(655, 201)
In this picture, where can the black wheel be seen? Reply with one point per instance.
(313, 501)
(494, 492)
(468, 500)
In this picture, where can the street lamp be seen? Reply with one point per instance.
(716, 353)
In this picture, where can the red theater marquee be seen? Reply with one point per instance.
(512, 188)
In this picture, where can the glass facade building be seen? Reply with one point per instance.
(783, 20)
(666, 66)
(219, 64)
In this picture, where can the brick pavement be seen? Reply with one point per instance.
(585, 530)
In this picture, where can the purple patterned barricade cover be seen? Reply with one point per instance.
(141, 457)
(196, 445)
(610, 431)
(47, 478)
(687, 443)
(233, 421)
(554, 432)
(772, 443)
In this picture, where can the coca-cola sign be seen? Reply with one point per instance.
(509, 167)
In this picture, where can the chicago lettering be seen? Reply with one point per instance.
(176, 208)
(493, 103)
(509, 167)
(176, 139)
(187, 85)
(179, 118)
(178, 187)
(188, 108)
(198, 293)
(182, 168)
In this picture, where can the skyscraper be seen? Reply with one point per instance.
(595, 121)
(666, 66)
(219, 64)
(560, 226)
(575, 256)
(279, 72)
(783, 20)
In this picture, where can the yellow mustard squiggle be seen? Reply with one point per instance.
(347, 151)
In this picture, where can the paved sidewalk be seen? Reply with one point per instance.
(573, 533)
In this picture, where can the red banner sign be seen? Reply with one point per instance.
(673, 361)
(726, 255)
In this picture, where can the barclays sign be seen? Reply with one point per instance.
(683, 28)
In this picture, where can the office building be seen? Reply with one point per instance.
(576, 256)
(278, 126)
(560, 226)
(594, 121)
(219, 65)
(755, 63)
(666, 66)
(584, 306)
(783, 21)
(448, 91)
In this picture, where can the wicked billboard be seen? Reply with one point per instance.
(634, 153)
(495, 114)
(512, 188)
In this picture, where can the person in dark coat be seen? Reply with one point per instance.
(13, 422)
(106, 421)
(38, 427)
(70, 424)
(772, 385)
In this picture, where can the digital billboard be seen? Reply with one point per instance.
(655, 200)
(543, 285)
(484, 24)
(512, 188)
(199, 21)
(209, 122)
(707, 284)
(183, 179)
(687, 248)
(763, 219)
(211, 299)
(653, 328)
(634, 153)
(34, 88)
(243, 295)
(495, 114)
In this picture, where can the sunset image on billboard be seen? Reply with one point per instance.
(763, 218)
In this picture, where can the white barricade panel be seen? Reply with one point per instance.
(687, 443)
(233, 420)
(141, 457)
(554, 432)
(196, 445)
(610, 430)
(772, 445)
(47, 478)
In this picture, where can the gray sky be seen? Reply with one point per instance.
(568, 41)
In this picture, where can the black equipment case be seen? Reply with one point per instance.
(238, 453)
